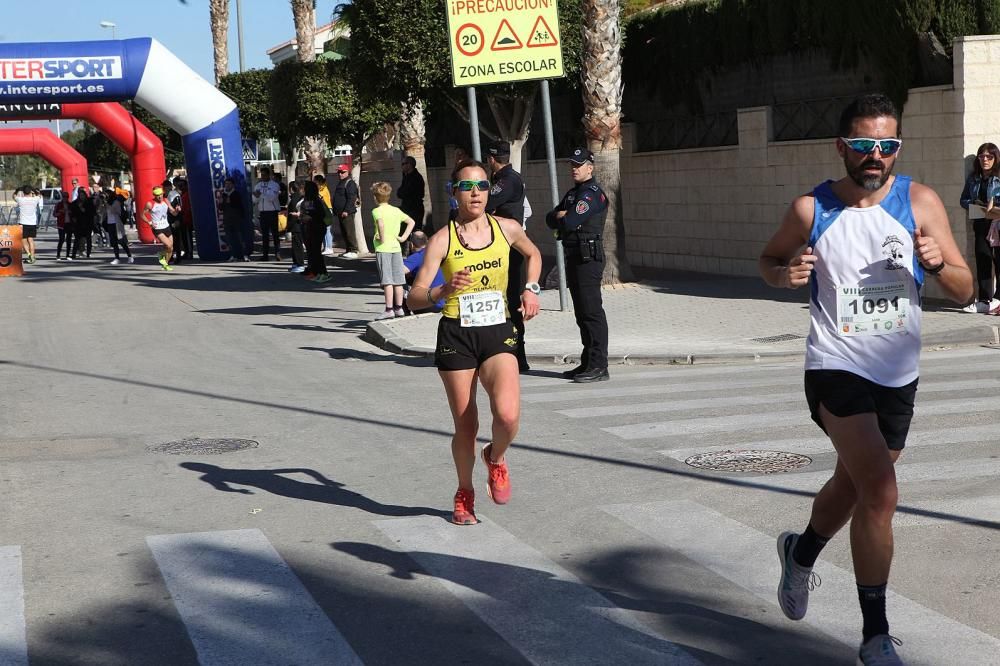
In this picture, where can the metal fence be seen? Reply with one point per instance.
(676, 132)
(808, 118)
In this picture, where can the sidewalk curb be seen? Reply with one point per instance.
(383, 337)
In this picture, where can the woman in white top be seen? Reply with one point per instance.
(155, 213)
(29, 210)
(116, 228)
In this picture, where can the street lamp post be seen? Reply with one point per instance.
(113, 26)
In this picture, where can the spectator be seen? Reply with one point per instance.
(64, 225)
(388, 253)
(283, 203)
(232, 221)
(412, 264)
(324, 194)
(982, 188)
(316, 216)
(411, 192)
(83, 217)
(345, 205)
(266, 195)
(116, 228)
(100, 215)
(295, 229)
(184, 243)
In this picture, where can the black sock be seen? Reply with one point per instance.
(873, 610)
(808, 546)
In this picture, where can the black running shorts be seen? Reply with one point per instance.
(846, 394)
(29, 230)
(165, 231)
(467, 348)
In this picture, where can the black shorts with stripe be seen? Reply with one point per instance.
(468, 348)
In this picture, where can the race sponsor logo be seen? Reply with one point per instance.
(217, 171)
(485, 264)
(73, 68)
(457, 253)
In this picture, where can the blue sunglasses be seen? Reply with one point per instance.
(867, 146)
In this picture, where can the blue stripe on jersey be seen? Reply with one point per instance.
(827, 209)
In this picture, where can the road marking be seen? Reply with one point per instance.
(746, 558)
(739, 422)
(784, 399)
(13, 637)
(975, 468)
(817, 445)
(539, 608)
(242, 604)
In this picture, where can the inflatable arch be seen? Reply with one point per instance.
(52, 149)
(123, 129)
(144, 70)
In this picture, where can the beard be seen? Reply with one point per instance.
(867, 181)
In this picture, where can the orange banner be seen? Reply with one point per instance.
(10, 251)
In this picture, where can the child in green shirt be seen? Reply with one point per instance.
(388, 251)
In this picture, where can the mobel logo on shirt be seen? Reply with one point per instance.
(484, 265)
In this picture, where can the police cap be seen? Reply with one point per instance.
(581, 156)
(499, 149)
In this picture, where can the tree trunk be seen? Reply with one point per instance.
(602, 121)
(218, 17)
(513, 119)
(413, 134)
(359, 228)
(304, 15)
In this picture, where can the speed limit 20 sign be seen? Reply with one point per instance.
(501, 41)
(10, 251)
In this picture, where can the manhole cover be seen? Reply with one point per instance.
(199, 445)
(784, 337)
(764, 462)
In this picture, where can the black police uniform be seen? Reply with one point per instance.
(507, 200)
(580, 230)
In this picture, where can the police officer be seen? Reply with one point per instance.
(507, 200)
(579, 223)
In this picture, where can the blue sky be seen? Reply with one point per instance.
(184, 29)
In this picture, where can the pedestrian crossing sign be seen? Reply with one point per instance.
(249, 150)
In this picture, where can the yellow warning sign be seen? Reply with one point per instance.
(502, 41)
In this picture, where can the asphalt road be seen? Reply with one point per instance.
(328, 543)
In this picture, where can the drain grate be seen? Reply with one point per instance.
(763, 462)
(784, 337)
(199, 445)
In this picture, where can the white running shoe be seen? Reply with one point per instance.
(978, 306)
(327, 253)
(399, 312)
(879, 651)
(349, 255)
(796, 580)
(297, 269)
(385, 314)
(115, 262)
(131, 260)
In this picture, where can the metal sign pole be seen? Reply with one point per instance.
(477, 152)
(550, 151)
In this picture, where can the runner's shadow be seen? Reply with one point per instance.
(324, 490)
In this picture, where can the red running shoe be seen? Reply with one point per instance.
(498, 483)
(465, 507)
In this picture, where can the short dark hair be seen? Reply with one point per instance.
(868, 106)
(466, 164)
(409, 160)
(319, 178)
(264, 170)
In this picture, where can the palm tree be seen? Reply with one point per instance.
(304, 15)
(218, 17)
(602, 121)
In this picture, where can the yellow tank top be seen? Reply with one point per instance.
(488, 266)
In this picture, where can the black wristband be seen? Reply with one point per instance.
(933, 271)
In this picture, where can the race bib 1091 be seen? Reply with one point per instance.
(873, 309)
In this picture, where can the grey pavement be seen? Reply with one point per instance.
(687, 318)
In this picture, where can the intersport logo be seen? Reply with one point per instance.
(77, 68)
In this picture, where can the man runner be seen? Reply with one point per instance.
(864, 244)
(476, 341)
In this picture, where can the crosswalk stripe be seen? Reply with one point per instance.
(816, 445)
(973, 468)
(242, 604)
(538, 607)
(738, 422)
(13, 637)
(966, 510)
(746, 557)
(782, 399)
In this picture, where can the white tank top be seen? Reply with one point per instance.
(28, 208)
(158, 215)
(865, 301)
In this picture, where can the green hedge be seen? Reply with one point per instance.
(671, 49)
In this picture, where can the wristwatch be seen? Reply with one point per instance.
(533, 287)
